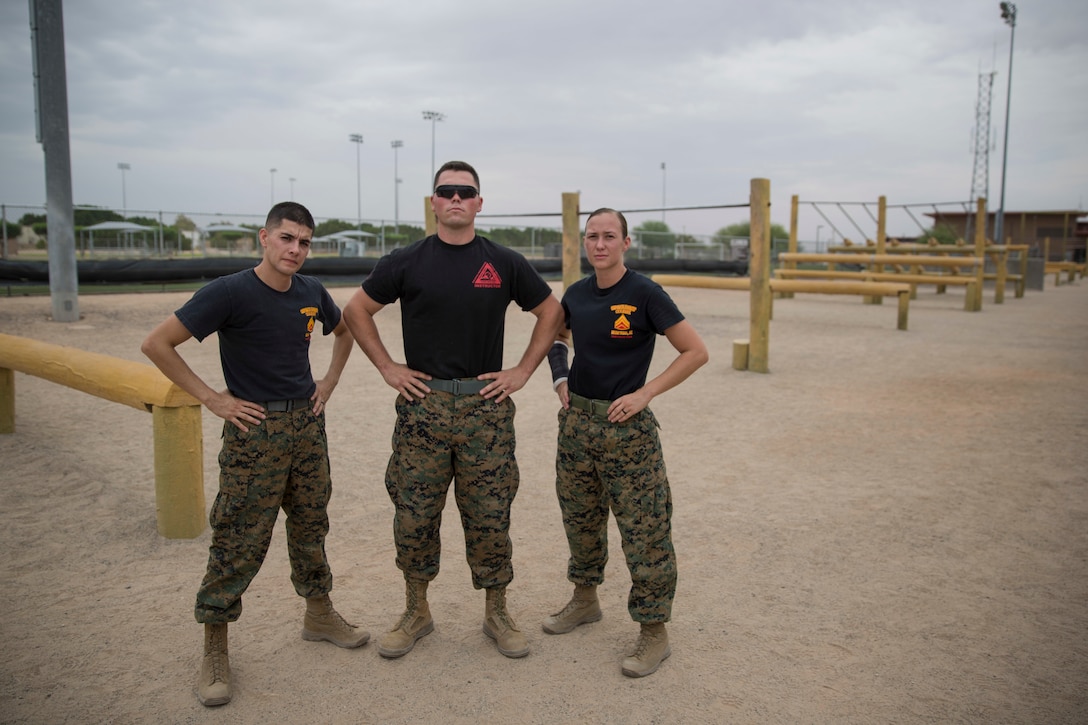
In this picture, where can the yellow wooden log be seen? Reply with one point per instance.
(179, 471)
(572, 239)
(881, 245)
(137, 385)
(430, 225)
(759, 270)
(980, 250)
(792, 286)
(7, 401)
(794, 220)
(872, 259)
(904, 309)
(694, 280)
(740, 354)
(1001, 260)
(913, 279)
(179, 459)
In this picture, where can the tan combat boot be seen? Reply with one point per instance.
(650, 651)
(214, 685)
(323, 623)
(582, 608)
(415, 623)
(499, 625)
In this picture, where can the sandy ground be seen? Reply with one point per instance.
(889, 527)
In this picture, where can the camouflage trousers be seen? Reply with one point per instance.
(601, 465)
(281, 463)
(469, 440)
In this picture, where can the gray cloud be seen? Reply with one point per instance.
(840, 100)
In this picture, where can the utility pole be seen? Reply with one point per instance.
(51, 114)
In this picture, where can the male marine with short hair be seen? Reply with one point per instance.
(455, 416)
(275, 453)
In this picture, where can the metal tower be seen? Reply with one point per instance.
(983, 138)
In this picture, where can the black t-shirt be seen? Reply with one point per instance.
(264, 334)
(614, 331)
(453, 301)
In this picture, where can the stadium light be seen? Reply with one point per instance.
(434, 117)
(396, 187)
(1008, 13)
(357, 139)
(124, 204)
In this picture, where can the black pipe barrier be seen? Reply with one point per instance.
(188, 270)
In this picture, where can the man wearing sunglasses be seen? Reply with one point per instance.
(455, 417)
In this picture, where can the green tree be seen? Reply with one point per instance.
(744, 230)
(143, 221)
(652, 233)
(943, 235)
(85, 217)
(184, 223)
(332, 226)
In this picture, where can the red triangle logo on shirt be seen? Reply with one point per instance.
(487, 277)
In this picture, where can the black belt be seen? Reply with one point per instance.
(457, 386)
(286, 406)
(590, 405)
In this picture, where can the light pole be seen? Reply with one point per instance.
(357, 139)
(1008, 12)
(819, 228)
(434, 117)
(292, 180)
(124, 204)
(272, 187)
(396, 187)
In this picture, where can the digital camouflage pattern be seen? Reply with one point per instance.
(283, 462)
(601, 465)
(467, 439)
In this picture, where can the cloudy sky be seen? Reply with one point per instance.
(842, 100)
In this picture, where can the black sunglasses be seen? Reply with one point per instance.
(446, 191)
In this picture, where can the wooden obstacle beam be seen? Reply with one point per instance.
(176, 418)
(999, 253)
(860, 288)
(972, 301)
(1071, 269)
(932, 260)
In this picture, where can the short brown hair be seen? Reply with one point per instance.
(289, 211)
(607, 210)
(457, 166)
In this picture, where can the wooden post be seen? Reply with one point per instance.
(974, 303)
(1001, 259)
(794, 202)
(759, 270)
(1022, 284)
(572, 239)
(179, 471)
(881, 242)
(431, 223)
(7, 401)
(904, 309)
(740, 354)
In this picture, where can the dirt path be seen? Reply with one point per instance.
(889, 527)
